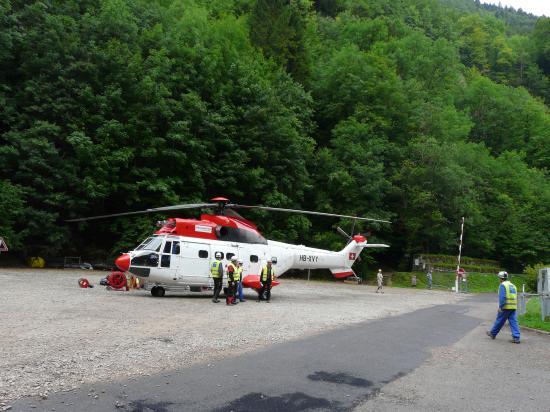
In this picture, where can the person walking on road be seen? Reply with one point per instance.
(429, 278)
(507, 306)
(379, 280)
(216, 270)
(266, 277)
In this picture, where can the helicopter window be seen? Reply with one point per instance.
(150, 260)
(203, 253)
(234, 234)
(153, 243)
(273, 260)
(142, 244)
(253, 258)
(175, 248)
(167, 247)
(165, 261)
(229, 256)
(221, 253)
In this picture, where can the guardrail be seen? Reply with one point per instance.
(544, 303)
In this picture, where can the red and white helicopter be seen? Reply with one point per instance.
(177, 257)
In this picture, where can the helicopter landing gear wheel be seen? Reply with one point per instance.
(158, 291)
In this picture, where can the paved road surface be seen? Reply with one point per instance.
(340, 370)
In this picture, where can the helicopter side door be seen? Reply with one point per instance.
(252, 258)
(194, 266)
(169, 259)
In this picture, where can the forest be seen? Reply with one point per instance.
(416, 111)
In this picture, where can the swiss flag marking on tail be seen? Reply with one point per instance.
(352, 256)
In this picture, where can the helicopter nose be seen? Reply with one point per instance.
(123, 262)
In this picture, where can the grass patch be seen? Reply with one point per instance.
(532, 319)
(477, 282)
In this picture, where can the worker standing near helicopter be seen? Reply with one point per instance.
(232, 282)
(240, 280)
(266, 277)
(216, 270)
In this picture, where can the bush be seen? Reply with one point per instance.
(477, 282)
(449, 259)
(468, 268)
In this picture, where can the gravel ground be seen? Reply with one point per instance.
(56, 336)
(475, 374)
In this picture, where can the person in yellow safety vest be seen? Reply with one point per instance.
(240, 285)
(266, 277)
(508, 303)
(216, 270)
(232, 274)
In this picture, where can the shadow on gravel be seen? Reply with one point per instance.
(340, 378)
(296, 401)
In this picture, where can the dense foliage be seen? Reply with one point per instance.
(421, 111)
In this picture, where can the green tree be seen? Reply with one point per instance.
(278, 28)
(541, 44)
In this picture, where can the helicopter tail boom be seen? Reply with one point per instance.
(350, 254)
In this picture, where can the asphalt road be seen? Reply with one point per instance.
(338, 371)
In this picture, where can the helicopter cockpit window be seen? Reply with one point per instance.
(151, 260)
(175, 248)
(203, 254)
(253, 258)
(234, 234)
(142, 244)
(165, 261)
(153, 243)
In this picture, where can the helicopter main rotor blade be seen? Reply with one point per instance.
(307, 212)
(342, 232)
(153, 210)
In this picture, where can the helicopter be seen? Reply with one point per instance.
(177, 257)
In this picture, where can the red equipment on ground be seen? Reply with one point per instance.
(117, 280)
(84, 283)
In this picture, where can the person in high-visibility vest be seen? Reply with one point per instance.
(216, 270)
(266, 277)
(507, 305)
(232, 273)
(240, 280)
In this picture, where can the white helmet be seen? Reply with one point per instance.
(269, 259)
(233, 258)
(503, 275)
(240, 261)
(218, 255)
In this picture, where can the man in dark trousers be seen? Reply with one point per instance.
(232, 282)
(266, 277)
(507, 305)
(216, 270)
